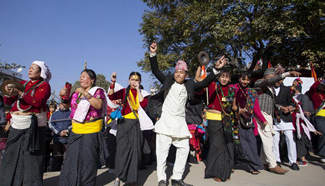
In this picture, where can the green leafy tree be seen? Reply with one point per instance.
(285, 32)
(14, 69)
(10, 66)
(75, 86)
(102, 82)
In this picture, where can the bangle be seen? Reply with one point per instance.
(284, 75)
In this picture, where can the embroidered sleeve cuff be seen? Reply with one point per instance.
(152, 54)
(215, 71)
(284, 75)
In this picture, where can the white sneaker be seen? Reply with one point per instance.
(302, 163)
(322, 160)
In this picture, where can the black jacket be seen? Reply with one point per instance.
(168, 80)
(284, 98)
(193, 112)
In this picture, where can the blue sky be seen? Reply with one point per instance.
(65, 33)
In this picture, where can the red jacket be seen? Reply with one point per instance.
(316, 97)
(35, 99)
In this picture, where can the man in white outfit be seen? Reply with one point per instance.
(171, 128)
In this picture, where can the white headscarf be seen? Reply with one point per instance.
(45, 71)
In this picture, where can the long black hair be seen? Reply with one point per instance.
(91, 74)
(245, 74)
(127, 90)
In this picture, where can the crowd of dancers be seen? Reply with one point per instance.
(226, 125)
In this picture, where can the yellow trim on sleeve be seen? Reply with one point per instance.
(321, 113)
(131, 116)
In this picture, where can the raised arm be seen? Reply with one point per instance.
(13, 94)
(154, 63)
(117, 95)
(216, 70)
(202, 84)
(42, 93)
(112, 85)
(97, 100)
(270, 82)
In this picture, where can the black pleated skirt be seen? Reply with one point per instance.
(19, 166)
(220, 154)
(128, 150)
(247, 157)
(320, 126)
(82, 160)
(303, 145)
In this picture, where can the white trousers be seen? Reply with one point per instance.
(291, 146)
(163, 143)
(266, 134)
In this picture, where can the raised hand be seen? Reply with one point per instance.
(220, 63)
(63, 91)
(153, 47)
(113, 77)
